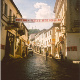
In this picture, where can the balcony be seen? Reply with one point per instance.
(4, 17)
(11, 22)
(56, 24)
(21, 32)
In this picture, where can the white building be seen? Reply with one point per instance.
(39, 41)
(45, 41)
(68, 31)
(49, 41)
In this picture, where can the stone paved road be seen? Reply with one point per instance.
(37, 68)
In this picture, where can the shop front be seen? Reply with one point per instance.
(10, 45)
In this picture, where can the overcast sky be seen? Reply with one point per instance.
(36, 9)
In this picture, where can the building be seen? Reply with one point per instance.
(45, 41)
(39, 41)
(49, 41)
(68, 31)
(14, 35)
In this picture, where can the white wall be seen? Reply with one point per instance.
(73, 39)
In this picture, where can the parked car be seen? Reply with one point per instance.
(30, 51)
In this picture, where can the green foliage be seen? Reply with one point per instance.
(32, 31)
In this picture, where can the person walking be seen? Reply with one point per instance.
(23, 54)
(61, 55)
(46, 55)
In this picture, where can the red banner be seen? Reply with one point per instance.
(37, 20)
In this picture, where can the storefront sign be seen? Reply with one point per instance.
(72, 48)
(28, 42)
(68, 48)
(2, 46)
(53, 39)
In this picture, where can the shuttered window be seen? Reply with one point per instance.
(5, 10)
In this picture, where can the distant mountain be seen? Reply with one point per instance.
(32, 31)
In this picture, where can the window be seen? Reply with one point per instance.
(46, 42)
(46, 34)
(50, 40)
(50, 32)
(10, 13)
(42, 41)
(42, 35)
(13, 17)
(5, 12)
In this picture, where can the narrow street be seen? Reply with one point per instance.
(37, 68)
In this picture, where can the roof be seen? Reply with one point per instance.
(41, 31)
(15, 7)
(48, 29)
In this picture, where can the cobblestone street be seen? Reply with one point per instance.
(37, 68)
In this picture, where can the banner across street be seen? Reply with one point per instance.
(37, 20)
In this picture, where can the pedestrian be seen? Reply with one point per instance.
(61, 55)
(23, 54)
(46, 55)
(40, 51)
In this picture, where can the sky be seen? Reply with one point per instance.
(36, 9)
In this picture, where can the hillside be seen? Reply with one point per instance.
(31, 31)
